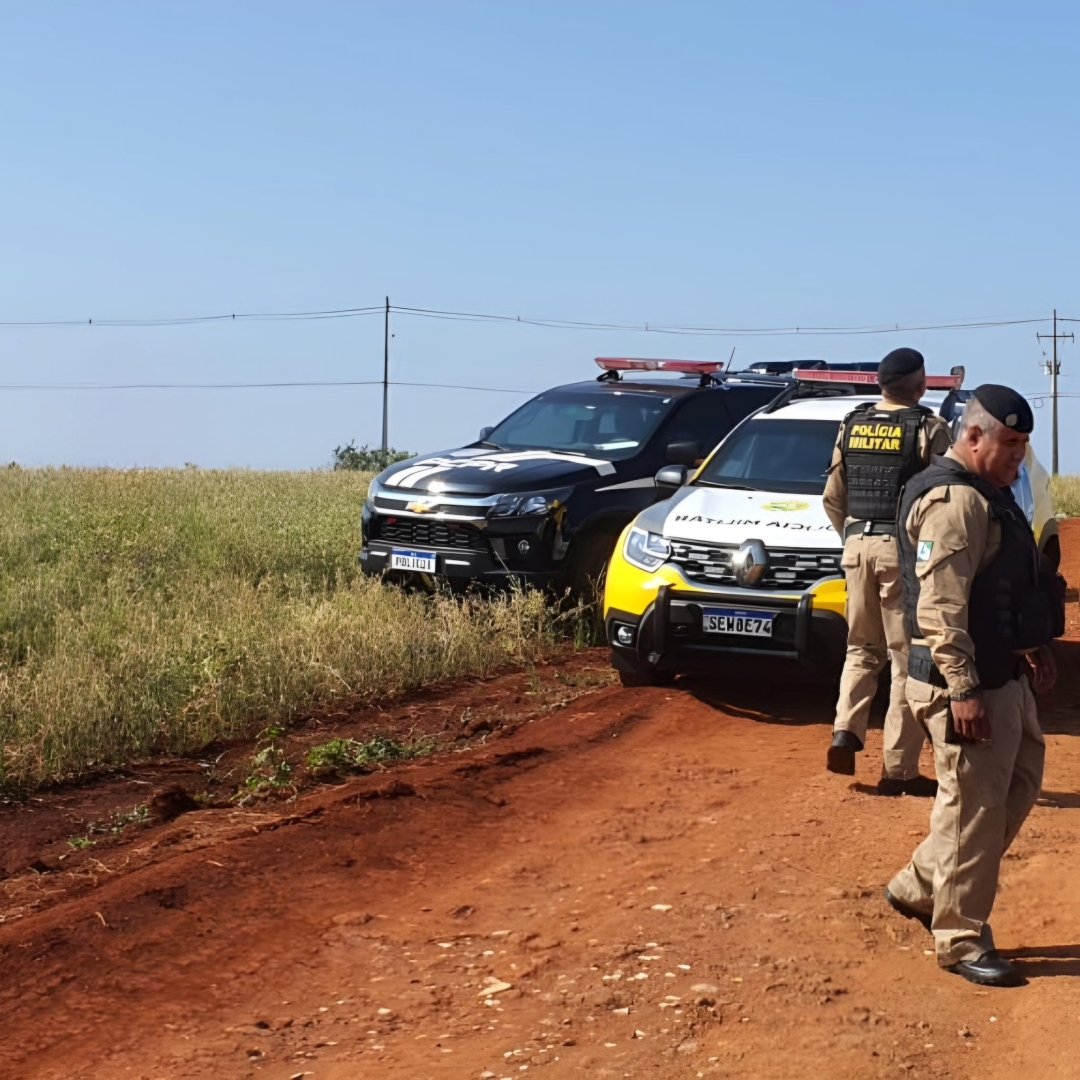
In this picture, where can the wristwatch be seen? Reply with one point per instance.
(975, 691)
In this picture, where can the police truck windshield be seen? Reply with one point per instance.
(774, 455)
(611, 426)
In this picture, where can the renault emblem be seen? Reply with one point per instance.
(750, 562)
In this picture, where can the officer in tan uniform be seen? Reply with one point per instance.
(980, 616)
(880, 446)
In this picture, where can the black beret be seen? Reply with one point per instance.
(897, 364)
(1006, 405)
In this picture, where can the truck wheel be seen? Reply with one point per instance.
(587, 568)
(1050, 555)
(644, 675)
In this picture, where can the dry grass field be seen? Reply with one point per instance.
(1066, 493)
(157, 610)
(151, 610)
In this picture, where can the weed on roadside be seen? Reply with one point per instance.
(352, 754)
(121, 819)
(117, 823)
(270, 772)
(534, 681)
(588, 677)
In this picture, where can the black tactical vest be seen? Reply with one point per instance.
(1012, 605)
(880, 452)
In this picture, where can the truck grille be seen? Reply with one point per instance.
(426, 534)
(711, 565)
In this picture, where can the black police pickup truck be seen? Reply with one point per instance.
(543, 496)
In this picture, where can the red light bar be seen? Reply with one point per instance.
(628, 363)
(869, 378)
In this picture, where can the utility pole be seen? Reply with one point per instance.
(1054, 370)
(386, 393)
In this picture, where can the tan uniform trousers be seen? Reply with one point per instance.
(875, 618)
(985, 791)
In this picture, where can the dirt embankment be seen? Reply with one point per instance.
(659, 883)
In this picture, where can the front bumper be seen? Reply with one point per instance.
(463, 565)
(655, 619)
(669, 635)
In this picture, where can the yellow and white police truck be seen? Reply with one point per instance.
(740, 559)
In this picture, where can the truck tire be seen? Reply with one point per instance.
(587, 565)
(644, 675)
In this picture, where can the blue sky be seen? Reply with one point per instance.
(717, 164)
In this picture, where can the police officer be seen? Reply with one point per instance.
(980, 616)
(881, 444)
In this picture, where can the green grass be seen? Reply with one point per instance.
(351, 753)
(152, 610)
(1065, 491)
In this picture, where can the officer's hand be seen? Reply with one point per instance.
(970, 719)
(1043, 669)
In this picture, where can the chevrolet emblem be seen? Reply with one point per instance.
(420, 507)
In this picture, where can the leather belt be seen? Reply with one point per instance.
(870, 528)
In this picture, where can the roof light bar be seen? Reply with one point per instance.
(629, 363)
(869, 378)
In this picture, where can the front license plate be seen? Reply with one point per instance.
(412, 560)
(717, 620)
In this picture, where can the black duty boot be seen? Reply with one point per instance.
(842, 751)
(888, 785)
(905, 910)
(921, 787)
(991, 969)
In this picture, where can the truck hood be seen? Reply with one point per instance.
(480, 471)
(730, 516)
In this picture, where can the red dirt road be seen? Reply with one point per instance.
(647, 883)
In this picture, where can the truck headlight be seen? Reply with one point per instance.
(530, 503)
(646, 549)
(374, 488)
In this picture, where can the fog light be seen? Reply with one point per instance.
(624, 635)
(523, 547)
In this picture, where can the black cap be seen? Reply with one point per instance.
(1006, 405)
(897, 364)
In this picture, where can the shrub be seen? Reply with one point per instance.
(366, 458)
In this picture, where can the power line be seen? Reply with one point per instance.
(550, 323)
(192, 320)
(704, 331)
(459, 386)
(253, 386)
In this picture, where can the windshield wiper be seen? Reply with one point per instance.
(484, 442)
(734, 487)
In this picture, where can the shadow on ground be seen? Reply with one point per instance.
(764, 698)
(1063, 800)
(1046, 961)
(1059, 712)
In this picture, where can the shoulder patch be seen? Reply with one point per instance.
(922, 552)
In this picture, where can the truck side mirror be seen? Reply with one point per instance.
(683, 453)
(485, 432)
(669, 479)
